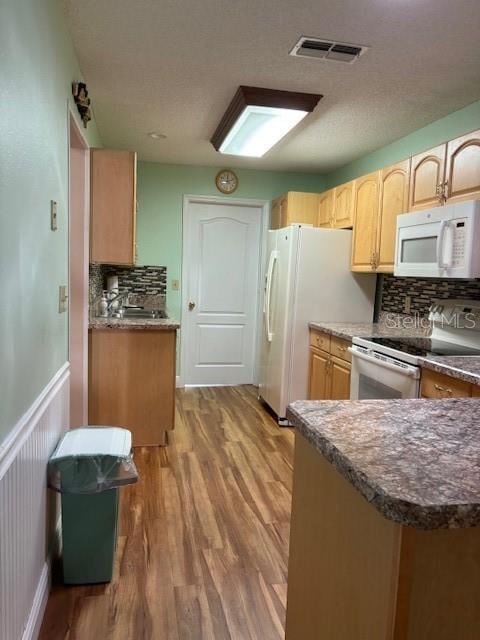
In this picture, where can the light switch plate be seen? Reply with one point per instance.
(175, 285)
(62, 298)
(53, 215)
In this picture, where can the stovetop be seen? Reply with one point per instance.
(424, 347)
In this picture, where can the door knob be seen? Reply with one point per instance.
(191, 306)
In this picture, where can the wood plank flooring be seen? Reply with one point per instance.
(204, 536)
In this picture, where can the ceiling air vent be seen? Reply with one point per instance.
(327, 50)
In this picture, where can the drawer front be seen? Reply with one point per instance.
(437, 385)
(320, 340)
(339, 348)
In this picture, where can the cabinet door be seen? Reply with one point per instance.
(365, 222)
(276, 213)
(344, 206)
(462, 174)
(318, 375)
(426, 178)
(393, 201)
(302, 208)
(339, 380)
(326, 203)
(438, 385)
(113, 181)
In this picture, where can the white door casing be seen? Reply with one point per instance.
(221, 290)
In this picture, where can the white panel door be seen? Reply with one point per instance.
(223, 260)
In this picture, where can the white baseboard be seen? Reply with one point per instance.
(34, 621)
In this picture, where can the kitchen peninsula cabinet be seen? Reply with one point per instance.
(132, 381)
(294, 207)
(385, 527)
(113, 209)
(329, 367)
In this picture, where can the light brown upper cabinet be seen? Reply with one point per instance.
(113, 176)
(344, 205)
(294, 207)
(394, 182)
(426, 179)
(366, 190)
(326, 204)
(462, 175)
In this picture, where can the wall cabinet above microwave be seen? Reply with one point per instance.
(447, 173)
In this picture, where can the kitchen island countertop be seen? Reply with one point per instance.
(415, 461)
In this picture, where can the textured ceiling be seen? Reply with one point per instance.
(173, 66)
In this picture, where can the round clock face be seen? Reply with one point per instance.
(226, 181)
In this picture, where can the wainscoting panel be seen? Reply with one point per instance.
(28, 511)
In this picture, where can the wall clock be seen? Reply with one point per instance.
(226, 181)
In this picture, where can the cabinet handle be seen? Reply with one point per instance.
(342, 348)
(443, 389)
(445, 194)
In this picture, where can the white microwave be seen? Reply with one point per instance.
(443, 242)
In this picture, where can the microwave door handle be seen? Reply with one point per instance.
(441, 244)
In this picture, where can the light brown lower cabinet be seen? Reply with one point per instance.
(329, 368)
(355, 575)
(437, 385)
(132, 382)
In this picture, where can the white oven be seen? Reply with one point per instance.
(443, 242)
(378, 376)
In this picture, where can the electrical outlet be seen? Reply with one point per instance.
(53, 215)
(407, 304)
(175, 285)
(62, 298)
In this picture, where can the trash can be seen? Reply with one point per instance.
(87, 468)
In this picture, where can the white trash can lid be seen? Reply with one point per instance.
(94, 441)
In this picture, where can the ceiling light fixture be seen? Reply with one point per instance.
(257, 119)
(157, 136)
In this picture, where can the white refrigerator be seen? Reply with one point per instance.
(308, 278)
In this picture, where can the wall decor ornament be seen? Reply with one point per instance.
(80, 95)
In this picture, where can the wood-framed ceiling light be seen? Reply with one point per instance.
(257, 119)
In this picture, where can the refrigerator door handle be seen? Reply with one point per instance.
(268, 294)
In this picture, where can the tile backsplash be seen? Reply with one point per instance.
(422, 291)
(142, 281)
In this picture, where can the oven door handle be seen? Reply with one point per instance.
(405, 369)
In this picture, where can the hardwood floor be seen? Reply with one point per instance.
(204, 536)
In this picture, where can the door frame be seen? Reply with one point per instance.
(264, 205)
(78, 264)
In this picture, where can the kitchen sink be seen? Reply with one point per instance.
(137, 312)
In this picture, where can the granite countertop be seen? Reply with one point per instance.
(348, 330)
(465, 368)
(157, 324)
(416, 461)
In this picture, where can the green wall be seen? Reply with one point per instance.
(161, 188)
(451, 126)
(37, 67)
